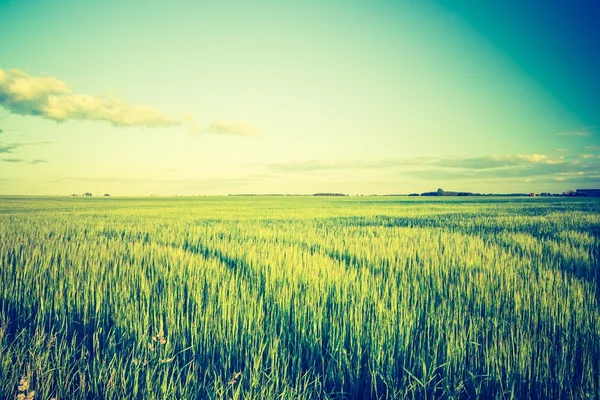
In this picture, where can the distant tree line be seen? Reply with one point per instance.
(87, 194)
(441, 192)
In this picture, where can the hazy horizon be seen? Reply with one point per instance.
(203, 98)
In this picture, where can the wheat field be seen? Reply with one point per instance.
(299, 298)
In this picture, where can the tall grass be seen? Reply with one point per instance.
(299, 298)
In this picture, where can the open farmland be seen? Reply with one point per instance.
(299, 297)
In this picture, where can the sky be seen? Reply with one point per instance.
(360, 97)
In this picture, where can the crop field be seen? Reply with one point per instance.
(299, 297)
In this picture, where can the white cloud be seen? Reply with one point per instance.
(51, 98)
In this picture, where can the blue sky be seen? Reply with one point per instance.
(192, 97)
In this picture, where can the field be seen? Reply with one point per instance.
(299, 297)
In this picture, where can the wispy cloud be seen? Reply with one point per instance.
(473, 163)
(232, 128)
(20, 160)
(51, 98)
(593, 147)
(522, 166)
(315, 165)
(477, 163)
(513, 167)
(221, 127)
(7, 148)
(11, 147)
(503, 173)
(579, 132)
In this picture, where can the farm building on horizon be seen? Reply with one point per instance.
(588, 192)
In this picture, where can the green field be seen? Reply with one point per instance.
(299, 297)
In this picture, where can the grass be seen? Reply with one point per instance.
(299, 297)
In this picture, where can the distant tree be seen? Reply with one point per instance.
(440, 192)
(106, 194)
(88, 194)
